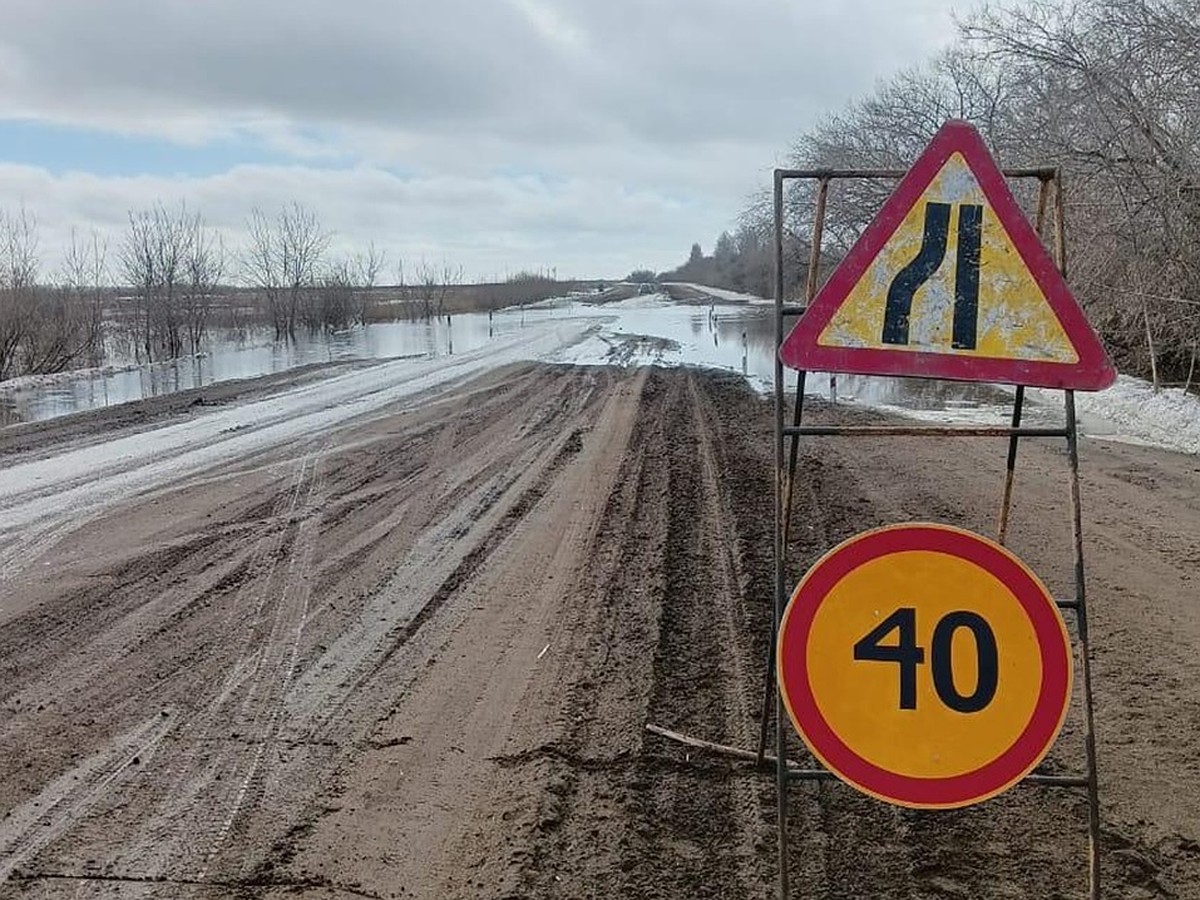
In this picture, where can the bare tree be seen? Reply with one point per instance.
(283, 261)
(1109, 91)
(261, 269)
(204, 266)
(18, 275)
(85, 276)
(433, 286)
(45, 328)
(153, 255)
(408, 294)
(342, 292)
(1116, 101)
(366, 266)
(73, 310)
(137, 262)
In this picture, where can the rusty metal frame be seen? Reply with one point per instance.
(786, 772)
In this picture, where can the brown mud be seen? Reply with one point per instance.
(415, 656)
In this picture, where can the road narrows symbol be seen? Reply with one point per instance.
(927, 261)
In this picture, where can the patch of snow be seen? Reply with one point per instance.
(592, 350)
(1131, 411)
(26, 383)
(548, 303)
(722, 293)
(642, 301)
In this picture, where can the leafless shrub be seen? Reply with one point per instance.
(46, 329)
(432, 286)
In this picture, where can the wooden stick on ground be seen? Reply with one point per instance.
(721, 749)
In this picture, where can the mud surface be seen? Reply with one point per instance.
(414, 655)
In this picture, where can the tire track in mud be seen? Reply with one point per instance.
(207, 787)
(702, 664)
(198, 778)
(663, 640)
(28, 828)
(456, 518)
(582, 784)
(270, 662)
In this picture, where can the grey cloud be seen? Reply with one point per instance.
(660, 71)
(523, 126)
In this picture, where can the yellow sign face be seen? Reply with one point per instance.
(1011, 319)
(925, 665)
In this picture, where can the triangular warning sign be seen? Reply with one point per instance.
(951, 281)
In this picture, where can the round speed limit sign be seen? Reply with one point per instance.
(925, 665)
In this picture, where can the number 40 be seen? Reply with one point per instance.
(908, 655)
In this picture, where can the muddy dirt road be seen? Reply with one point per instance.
(412, 653)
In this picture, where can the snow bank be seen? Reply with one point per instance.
(1132, 411)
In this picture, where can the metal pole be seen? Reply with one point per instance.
(1002, 527)
(1043, 195)
(781, 779)
(1060, 229)
(1011, 172)
(1085, 651)
(810, 290)
(1019, 402)
(769, 674)
(1093, 786)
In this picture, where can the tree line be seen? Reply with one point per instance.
(48, 327)
(1107, 90)
(158, 289)
(742, 261)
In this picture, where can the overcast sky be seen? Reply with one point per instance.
(592, 136)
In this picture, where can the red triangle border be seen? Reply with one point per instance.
(800, 349)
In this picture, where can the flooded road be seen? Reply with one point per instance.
(651, 329)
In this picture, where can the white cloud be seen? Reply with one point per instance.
(498, 224)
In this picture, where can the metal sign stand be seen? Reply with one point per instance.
(785, 471)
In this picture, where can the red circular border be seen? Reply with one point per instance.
(907, 790)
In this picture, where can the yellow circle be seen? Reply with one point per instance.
(861, 698)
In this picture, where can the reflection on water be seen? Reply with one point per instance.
(734, 337)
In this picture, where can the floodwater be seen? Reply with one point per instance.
(735, 337)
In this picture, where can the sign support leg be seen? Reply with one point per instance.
(780, 600)
(789, 485)
(1093, 787)
(1085, 650)
(784, 493)
(1002, 528)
